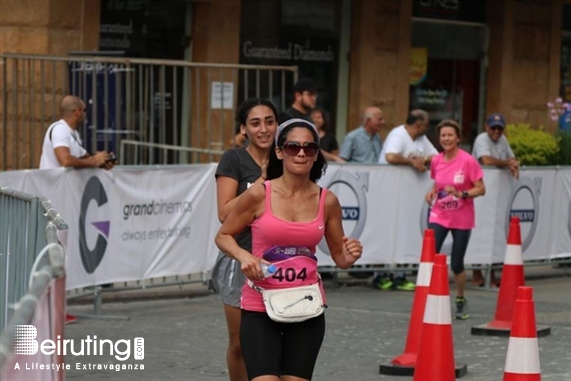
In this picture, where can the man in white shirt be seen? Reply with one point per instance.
(63, 148)
(62, 145)
(408, 145)
(492, 148)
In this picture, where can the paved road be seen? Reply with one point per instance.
(185, 337)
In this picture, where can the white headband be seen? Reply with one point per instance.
(301, 122)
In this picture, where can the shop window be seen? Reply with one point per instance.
(446, 74)
(284, 33)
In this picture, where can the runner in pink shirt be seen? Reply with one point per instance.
(458, 179)
(289, 215)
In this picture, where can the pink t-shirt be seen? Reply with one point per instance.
(290, 246)
(460, 172)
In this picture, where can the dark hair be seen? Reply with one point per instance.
(416, 115)
(242, 112)
(275, 165)
(325, 126)
(449, 123)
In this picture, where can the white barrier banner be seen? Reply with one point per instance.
(138, 223)
(384, 207)
(131, 224)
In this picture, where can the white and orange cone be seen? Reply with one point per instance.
(522, 360)
(436, 354)
(512, 279)
(403, 365)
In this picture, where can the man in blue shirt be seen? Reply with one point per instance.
(363, 145)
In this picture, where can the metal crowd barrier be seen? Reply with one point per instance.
(154, 101)
(135, 150)
(32, 266)
(24, 219)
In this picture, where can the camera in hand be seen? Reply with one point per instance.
(111, 158)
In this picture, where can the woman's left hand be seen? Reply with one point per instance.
(352, 249)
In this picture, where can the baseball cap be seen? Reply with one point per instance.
(305, 84)
(496, 119)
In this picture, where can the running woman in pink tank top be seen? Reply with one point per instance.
(289, 214)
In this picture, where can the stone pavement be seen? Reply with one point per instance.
(185, 337)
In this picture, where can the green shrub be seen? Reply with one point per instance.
(563, 157)
(532, 146)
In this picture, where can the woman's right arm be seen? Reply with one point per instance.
(227, 192)
(247, 208)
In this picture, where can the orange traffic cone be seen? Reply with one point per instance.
(436, 353)
(403, 365)
(512, 278)
(522, 360)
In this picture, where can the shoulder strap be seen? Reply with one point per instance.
(268, 195)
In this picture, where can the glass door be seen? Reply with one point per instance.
(454, 69)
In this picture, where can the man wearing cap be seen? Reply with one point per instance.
(304, 100)
(492, 148)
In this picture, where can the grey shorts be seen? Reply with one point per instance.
(227, 280)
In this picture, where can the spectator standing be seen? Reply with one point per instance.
(408, 145)
(62, 145)
(239, 169)
(304, 100)
(327, 142)
(492, 148)
(289, 211)
(458, 179)
(363, 145)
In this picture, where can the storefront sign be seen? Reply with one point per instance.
(418, 65)
(289, 51)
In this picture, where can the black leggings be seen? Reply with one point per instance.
(460, 239)
(272, 348)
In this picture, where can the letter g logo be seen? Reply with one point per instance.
(91, 258)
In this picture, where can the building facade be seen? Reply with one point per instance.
(459, 59)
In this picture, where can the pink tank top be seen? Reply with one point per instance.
(290, 246)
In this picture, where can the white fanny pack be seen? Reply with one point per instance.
(293, 304)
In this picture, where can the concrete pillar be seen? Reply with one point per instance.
(47, 27)
(215, 39)
(380, 59)
(524, 55)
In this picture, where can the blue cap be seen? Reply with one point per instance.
(496, 119)
(272, 268)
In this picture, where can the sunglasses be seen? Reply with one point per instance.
(496, 128)
(292, 148)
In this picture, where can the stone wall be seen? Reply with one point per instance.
(215, 38)
(379, 60)
(524, 54)
(47, 27)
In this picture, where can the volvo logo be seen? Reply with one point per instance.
(91, 258)
(358, 184)
(524, 204)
